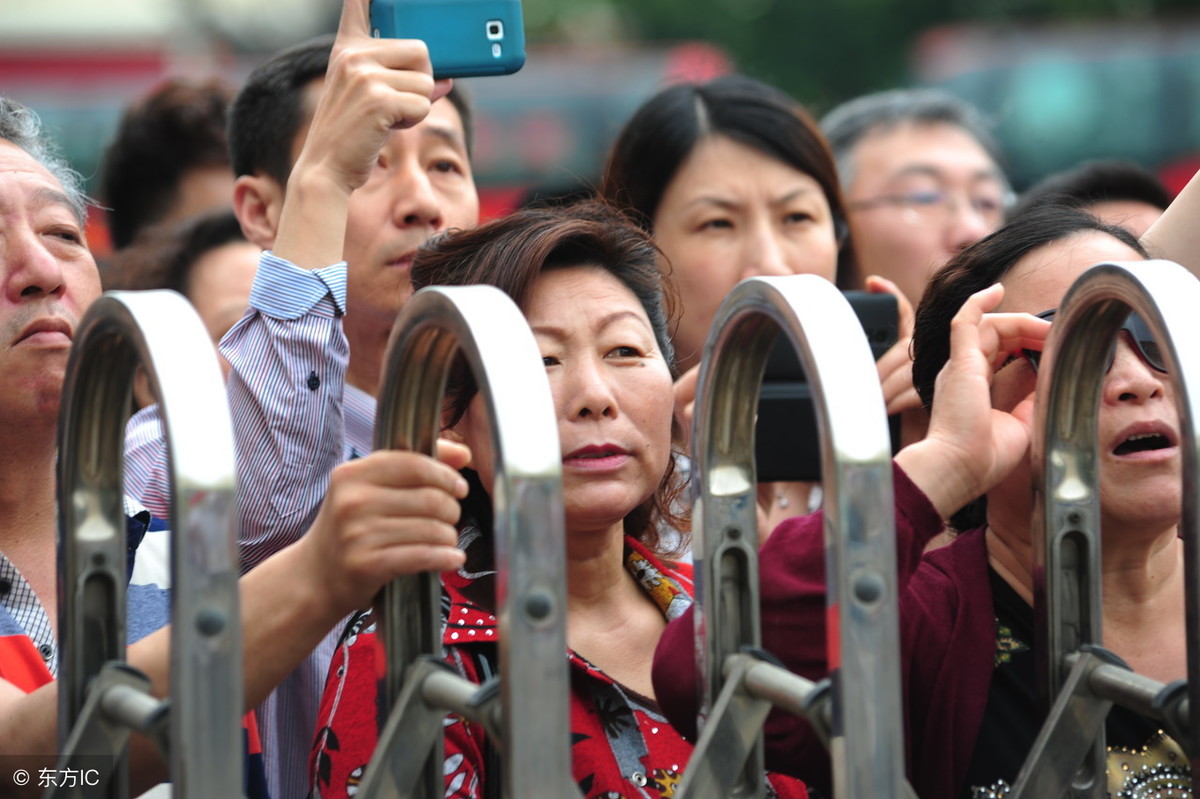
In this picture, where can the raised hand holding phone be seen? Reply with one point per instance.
(372, 86)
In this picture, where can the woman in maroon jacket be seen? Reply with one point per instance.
(966, 616)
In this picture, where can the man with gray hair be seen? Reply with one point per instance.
(289, 603)
(922, 179)
(21, 127)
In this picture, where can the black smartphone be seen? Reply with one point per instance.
(786, 443)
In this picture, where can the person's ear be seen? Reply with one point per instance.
(452, 434)
(258, 203)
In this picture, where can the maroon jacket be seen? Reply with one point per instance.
(947, 638)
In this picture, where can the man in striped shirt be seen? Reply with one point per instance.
(347, 163)
(385, 515)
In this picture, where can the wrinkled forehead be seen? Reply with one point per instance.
(932, 145)
(588, 285)
(21, 173)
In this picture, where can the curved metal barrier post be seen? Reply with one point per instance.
(1080, 678)
(484, 325)
(160, 331)
(859, 541)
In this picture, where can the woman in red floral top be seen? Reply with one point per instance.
(590, 287)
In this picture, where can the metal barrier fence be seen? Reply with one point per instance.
(100, 698)
(859, 711)
(1081, 680)
(530, 726)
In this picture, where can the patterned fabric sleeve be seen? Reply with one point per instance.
(465, 766)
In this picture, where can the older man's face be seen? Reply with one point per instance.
(49, 279)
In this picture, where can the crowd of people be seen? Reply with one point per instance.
(300, 212)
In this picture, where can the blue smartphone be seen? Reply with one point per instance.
(466, 38)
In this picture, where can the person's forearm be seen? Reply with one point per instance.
(27, 731)
(29, 741)
(284, 618)
(1176, 234)
(312, 224)
(937, 478)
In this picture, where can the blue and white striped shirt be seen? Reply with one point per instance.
(294, 420)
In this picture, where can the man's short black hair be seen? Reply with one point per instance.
(179, 126)
(1095, 182)
(269, 110)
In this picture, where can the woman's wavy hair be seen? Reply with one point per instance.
(511, 253)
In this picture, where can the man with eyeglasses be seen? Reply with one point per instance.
(922, 179)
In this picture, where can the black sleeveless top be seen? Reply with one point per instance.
(1143, 761)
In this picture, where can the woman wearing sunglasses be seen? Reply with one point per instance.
(966, 607)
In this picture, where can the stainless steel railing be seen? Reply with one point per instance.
(860, 710)
(100, 699)
(1080, 679)
(530, 726)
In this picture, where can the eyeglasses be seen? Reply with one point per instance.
(1139, 333)
(930, 205)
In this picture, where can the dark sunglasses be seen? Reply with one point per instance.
(1139, 333)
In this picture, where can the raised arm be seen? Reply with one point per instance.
(970, 445)
(293, 414)
(1176, 234)
(372, 86)
(289, 355)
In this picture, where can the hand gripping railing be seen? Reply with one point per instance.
(101, 699)
(859, 546)
(531, 724)
(1080, 679)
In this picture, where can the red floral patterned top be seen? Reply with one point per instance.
(622, 746)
